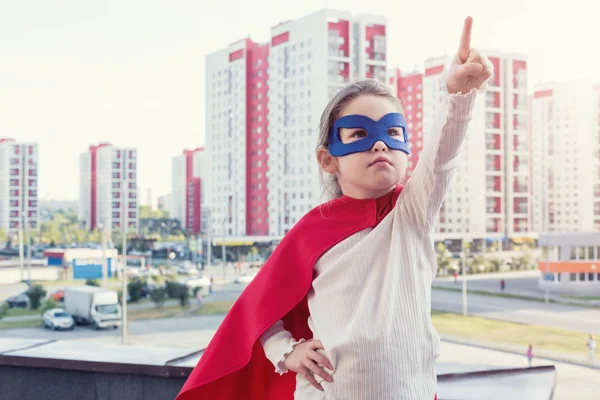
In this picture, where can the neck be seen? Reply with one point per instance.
(362, 194)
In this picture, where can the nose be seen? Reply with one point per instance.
(379, 146)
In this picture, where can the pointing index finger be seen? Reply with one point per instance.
(465, 40)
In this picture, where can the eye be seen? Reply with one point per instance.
(396, 133)
(359, 133)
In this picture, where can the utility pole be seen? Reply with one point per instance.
(224, 251)
(464, 277)
(124, 251)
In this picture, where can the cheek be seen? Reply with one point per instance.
(401, 160)
(349, 164)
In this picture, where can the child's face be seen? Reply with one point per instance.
(360, 174)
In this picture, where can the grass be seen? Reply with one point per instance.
(20, 324)
(214, 308)
(18, 312)
(585, 297)
(492, 294)
(211, 308)
(540, 337)
(155, 313)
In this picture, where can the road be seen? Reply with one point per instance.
(523, 283)
(584, 320)
(580, 319)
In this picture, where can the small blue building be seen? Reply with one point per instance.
(84, 263)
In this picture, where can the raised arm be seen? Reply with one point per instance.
(425, 191)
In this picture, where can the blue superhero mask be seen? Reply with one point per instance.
(376, 131)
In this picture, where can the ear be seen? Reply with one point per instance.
(326, 161)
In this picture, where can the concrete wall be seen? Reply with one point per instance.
(13, 274)
(19, 383)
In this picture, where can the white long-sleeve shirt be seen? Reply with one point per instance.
(370, 300)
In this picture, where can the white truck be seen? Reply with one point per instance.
(92, 305)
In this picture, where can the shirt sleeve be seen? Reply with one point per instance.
(426, 189)
(278, 343)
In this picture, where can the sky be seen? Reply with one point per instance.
(131, 72)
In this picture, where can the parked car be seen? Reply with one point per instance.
(244, 278)
(58, 295)
(20, 300)
(57, 319)
(200, 282)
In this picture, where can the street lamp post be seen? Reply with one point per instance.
(208, 242)
(464, 276)
(224, 251)
(102, 228)
(124, 254)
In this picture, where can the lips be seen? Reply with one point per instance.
(380, 160)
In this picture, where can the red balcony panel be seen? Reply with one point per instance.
(495, 79)
(342, 28)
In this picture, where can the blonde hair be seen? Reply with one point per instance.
(332, 112)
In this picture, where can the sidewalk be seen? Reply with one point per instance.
(521, 294)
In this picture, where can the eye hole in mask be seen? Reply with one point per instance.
(349, 135)
(358, 133)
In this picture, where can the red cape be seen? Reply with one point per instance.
(234, 365)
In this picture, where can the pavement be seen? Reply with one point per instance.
(585, 320)
(572, 381)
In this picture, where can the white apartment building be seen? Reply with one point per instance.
(18, 185)
(187, 189)
(263, 104)
(565, 130)
(104, 169)
(310, 60)
(491, 191)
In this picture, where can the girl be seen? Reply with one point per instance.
(342, 308)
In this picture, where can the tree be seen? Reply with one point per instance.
(443, 258)
(494, 264)
(136, 289)
(146, 212)
(179, 291)
(158, 296)
(35, 293)
(478, 264)
(95, 236)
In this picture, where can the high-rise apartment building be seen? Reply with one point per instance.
(108, 186)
